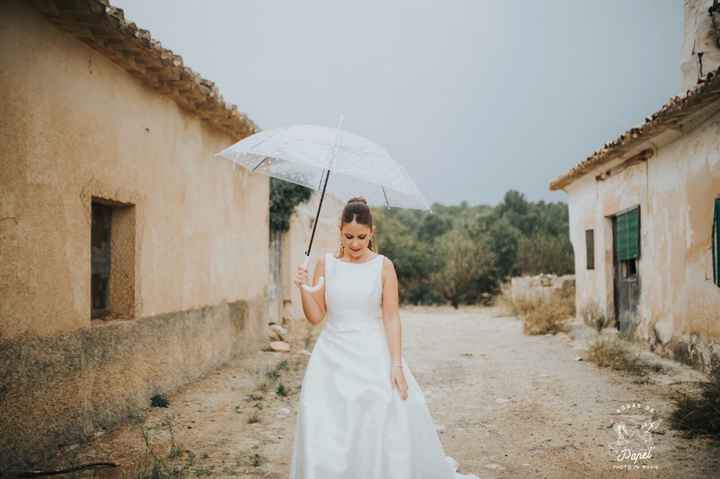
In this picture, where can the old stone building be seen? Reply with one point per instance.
(645, 212)
(131, 261)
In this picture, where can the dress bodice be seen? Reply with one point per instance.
(353, 293)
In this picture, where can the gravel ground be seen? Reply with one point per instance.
(506, 405)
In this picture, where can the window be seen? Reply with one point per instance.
(627, 235)
(590, 248)
(112, 259)
(100, 259)
(716, 243)
(627, 243)
(629, 268)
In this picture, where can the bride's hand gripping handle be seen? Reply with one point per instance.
(301, 277)
(311, 306)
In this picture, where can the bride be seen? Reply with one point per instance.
(361, 413)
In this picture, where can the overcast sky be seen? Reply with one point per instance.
(473, 97)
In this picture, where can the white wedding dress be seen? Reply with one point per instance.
(352, 423)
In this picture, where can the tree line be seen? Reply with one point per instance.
(461, 254)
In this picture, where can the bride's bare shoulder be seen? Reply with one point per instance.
(320, 262)
(388, 265)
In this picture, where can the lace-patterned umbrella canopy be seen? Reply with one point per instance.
(310, 155)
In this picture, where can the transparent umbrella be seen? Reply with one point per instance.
(310, 155)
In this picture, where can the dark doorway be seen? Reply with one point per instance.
(100, 259)
(626, 269)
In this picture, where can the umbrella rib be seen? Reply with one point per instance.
(387, 203)
(261, 162)
(321, 178)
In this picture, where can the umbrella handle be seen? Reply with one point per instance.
(321, 281)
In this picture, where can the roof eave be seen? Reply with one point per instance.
(680, 114)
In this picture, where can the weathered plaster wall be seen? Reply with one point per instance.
(676, 190)
(698, 37)
(74, 125)
(63, 389)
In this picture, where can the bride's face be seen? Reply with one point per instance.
(355, 238)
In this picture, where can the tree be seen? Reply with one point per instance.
(413, 260)
(284, 197)
(467, 263)
(431, 227)
(544, 253)
(504, 242)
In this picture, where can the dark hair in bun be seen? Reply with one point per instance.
(357, 208)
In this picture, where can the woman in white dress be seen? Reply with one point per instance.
(361, 413)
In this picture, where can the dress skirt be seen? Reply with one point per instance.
(352, 423)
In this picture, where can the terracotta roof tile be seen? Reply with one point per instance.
(676, 111)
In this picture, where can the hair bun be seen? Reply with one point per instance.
(357, 199)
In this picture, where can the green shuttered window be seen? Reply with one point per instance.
(716, 243)
(627, 237)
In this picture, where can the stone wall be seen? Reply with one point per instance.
(542, 286)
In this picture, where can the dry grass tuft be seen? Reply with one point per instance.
(504, 300)
(545, 317)
(699, 415)
(593, 316)
(540, 315)
(616, 353)
(176, 463)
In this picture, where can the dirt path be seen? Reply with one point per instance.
(507, 405)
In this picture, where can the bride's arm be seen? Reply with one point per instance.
(390, 310)
(313, 301)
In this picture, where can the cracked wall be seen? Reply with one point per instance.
(679, 310)
(74, 126)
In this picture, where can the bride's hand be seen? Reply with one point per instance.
(397, 379)
(301, 276)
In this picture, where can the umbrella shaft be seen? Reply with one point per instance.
(317, 215)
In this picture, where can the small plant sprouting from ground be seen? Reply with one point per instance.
(254, 459)
(159, 400)
(161, 467)
(266, 379)
(272, 374)
(253, 418)
(281, 390)
(699, 415)
(255, 396)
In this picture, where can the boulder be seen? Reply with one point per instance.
(281, 346)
